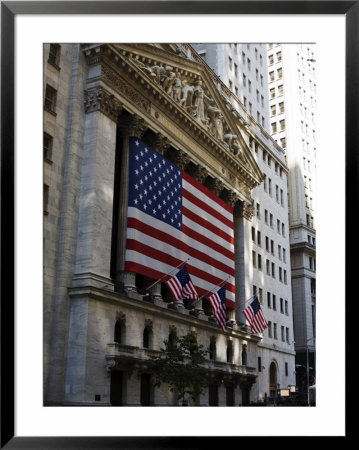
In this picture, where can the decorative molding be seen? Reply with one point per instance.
(181, 159)
(110, 77)
(200, 173)
(98, 99)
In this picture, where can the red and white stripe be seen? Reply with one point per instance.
(219, 310)
(155, 249)
(257, 321)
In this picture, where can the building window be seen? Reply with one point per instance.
(284, 255)
(271, 220)
(267, 243)
(287, 335)
(229, 352)
(270, 60)
(269, 329)
(282, 333)
(281, 305)
(281, 107)
(268, 266)
(212, 349)
(266, 216)
(280, 90)
(230, 63)
(269, 300)
(272, 93)
(279, 73)
(259, 238)
(253, 234)
(286, 369)
(275, 331)
(286, 307)
(279, 56)
(272, 246)
(260, 295)
(274, 302)
(282, 125)
(259, 364)
(259, 262)
(118, 332)
(46, 199)
(258, 211)
(244, 80)
(285, 276)
(273, 110)
(254, 259)
(273, 270)
(146, 338)
(249, 86)
(50, 99)
(47, 144)
(274, 127)
(283, 230)
(54, 55)
(278, 226)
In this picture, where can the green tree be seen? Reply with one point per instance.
(180, 364)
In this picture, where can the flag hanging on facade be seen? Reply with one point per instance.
(254, 315)
(172, 217)
(218, 303)
(181, 285)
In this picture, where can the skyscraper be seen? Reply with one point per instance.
(292, 101)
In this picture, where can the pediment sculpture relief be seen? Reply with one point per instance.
(190, 95)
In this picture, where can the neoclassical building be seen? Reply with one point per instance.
(102, 322)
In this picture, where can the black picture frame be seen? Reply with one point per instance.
(9, 9)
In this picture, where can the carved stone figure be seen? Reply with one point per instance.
(177, 88)
(215, 122)
(198, 101)
(233, 144)
(187, 94)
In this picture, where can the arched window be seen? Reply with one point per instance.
(118, 332)
(212, 349)
(244, 355)
(229, 352)
(146, 338)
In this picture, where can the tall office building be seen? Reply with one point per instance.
(292, 100)
(243, 68)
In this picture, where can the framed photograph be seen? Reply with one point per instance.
(30, 418)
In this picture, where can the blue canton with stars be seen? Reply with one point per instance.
(155, 184)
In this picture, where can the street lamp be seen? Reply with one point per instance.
(310, 339)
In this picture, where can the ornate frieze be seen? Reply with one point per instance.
(111, 77)
(98, 99)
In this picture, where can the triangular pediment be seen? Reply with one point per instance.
(193, 87)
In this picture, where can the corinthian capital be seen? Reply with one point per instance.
(98, 99)
(133, 125)
(159, 143)
(246, 210)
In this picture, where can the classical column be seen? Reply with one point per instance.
(132, 125)
(97, 184)
(243, 213)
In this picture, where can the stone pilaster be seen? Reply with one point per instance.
(130, 126)
(97, 183)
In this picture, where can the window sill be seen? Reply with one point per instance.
(50, 111)
(54, 65)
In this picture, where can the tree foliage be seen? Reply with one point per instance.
(180, 364)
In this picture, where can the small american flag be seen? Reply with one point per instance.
(181, 285)
(218, 303)
(254, 315)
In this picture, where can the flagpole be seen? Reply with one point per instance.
(164, 276)
(205, 295)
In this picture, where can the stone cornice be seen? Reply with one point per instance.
(176, 317)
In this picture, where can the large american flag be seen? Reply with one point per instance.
(172, 217)
(254, 315)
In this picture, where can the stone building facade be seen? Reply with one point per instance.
(100, 330)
